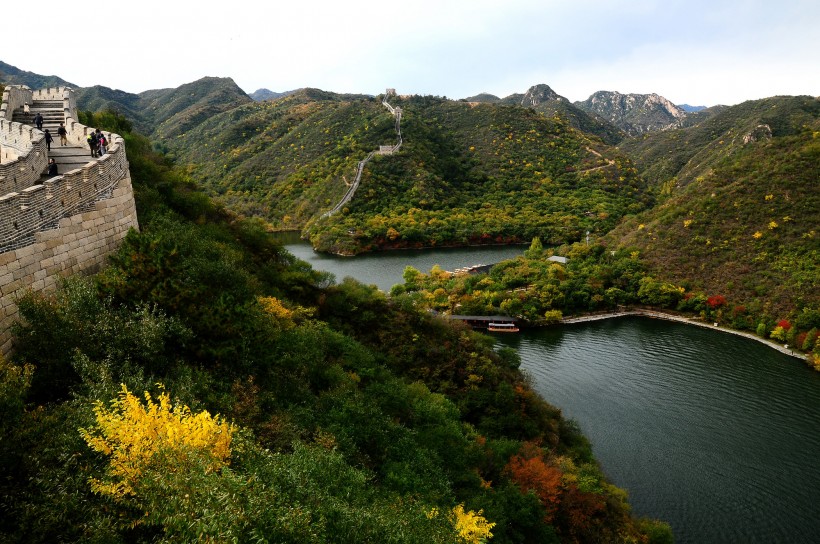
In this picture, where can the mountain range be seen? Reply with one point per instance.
(489, 169)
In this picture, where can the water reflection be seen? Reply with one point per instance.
(712, 432)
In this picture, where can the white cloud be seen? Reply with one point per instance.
(695, 51)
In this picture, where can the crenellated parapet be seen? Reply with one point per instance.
(27, 207)
(40, 207)
(68, 224)
(22, 156)
(13, 98)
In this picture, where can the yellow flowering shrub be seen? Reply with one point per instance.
(285, 317)
(132, 433)
(470, 526)
(273, 307)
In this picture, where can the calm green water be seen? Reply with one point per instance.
(716, 434)
(384, 269)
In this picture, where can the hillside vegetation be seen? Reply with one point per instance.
(345, 416)
(544, 100)
(748, 229)
(737, 243)
(11, 75)
(466, 173)
(167, 113)
(677, 157)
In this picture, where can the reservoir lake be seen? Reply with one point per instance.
(714, 433)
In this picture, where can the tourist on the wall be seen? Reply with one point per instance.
(49, 139)
(103, 143)
(38, 120)
(63, 135)
(52, 167)
(26, 111)
(92, 143)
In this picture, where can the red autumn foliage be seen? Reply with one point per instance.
(530, 472)
(784, 324)
(739, 310)
(716, 301)
(580, 514)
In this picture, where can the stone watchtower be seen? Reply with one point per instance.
(55, 226)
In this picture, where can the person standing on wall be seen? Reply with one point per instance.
(92, 143)
(103, 143)
(38, 120)
(63, 135)
(49, 139)
(26, 111)
(52, 167)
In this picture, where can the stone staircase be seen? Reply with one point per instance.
(68, 157)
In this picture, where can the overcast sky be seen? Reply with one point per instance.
(696, 51)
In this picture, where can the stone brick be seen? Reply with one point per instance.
(7, 257)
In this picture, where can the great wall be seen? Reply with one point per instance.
(53, 227)
(383, 150)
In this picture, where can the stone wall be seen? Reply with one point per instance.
(21, 167)
(65, 94)
(13, 98)
(65, 226)
(38, 207)
(23, 153)
(79, 244)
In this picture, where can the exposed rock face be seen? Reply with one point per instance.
(634, 113)
(538, 94)
(760, 132)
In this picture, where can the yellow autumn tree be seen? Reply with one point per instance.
(134, 434)
(471, 526)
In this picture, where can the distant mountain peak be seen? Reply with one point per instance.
(635, 113)
(691, 109)
(483, 97)
(538, 94)
(260, 95)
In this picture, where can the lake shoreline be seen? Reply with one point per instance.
(680, 319)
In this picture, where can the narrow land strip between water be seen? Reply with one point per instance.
(680, 319)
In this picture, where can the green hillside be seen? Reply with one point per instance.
(174, 111)
(746, 224)
(11, 75)
(100, 98)
(465, 174)
(735, 239)
(167, 113)
(546, 101)
(348, 416)
(677, 157)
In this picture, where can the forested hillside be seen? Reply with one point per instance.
(543, 99)
(206, 386)
(466, 173)
(677, 157)
(11, 75)
(167, 113)
(747, 227)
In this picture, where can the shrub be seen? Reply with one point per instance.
(133, 435)
(716, 301)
